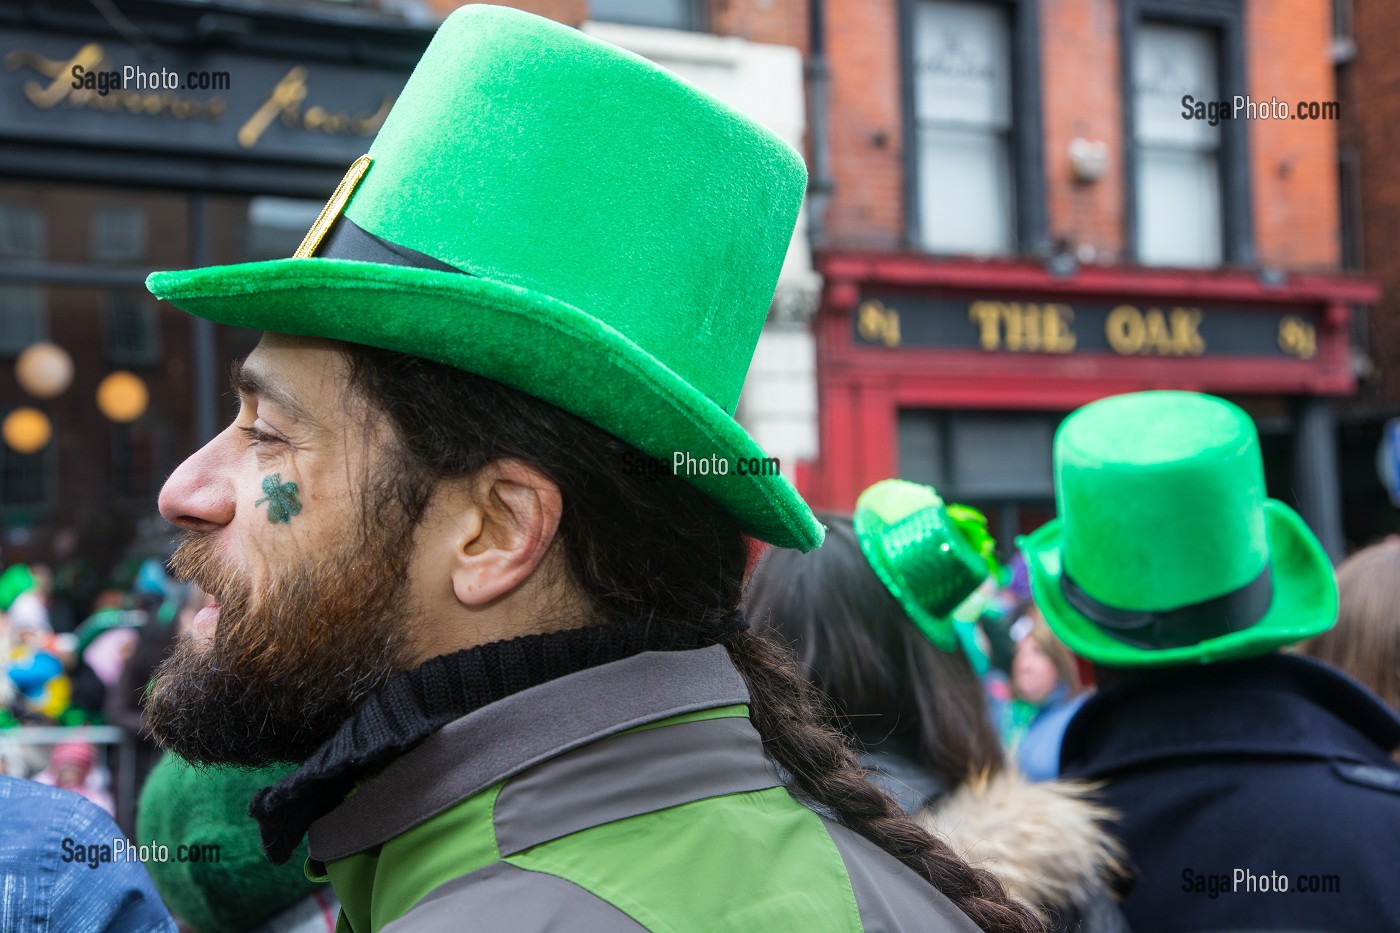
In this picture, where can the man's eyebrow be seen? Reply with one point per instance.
(247, 381)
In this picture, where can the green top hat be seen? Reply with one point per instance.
(566, 218)
(1166, 550)
(929, 555)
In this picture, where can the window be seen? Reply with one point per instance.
(965, 84)
(131, 329)
(27, 480)
(21, 233)
(997, 461)
(22, 313)
(667, 14)
(275, 226)
(140, 461)
(22, 318)
(119, 234)
(979, 455)
(1179, 213)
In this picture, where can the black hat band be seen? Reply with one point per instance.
(1186, 625)
(348, 240)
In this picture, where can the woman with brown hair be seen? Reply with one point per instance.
(1045, 693)
(868, 617)
(1365, 642)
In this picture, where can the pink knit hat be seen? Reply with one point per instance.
(81, 754)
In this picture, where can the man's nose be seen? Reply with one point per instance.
(199, 495)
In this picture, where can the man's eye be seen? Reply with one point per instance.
(255, 436)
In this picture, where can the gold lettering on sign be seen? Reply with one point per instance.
(1297, 337)
(284, 102)
(1027, 327)
(1186, 334)
(987, 316)
(1124, 330)
(878, 324)
(1059, 335)
(288, 94)
(1131, 332)
(45, 98)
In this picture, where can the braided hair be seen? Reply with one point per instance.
(644, 547)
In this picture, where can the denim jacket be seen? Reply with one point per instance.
(48, 884)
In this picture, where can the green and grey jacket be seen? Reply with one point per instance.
(627, 797)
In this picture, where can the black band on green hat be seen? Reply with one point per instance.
(348, 240)
(1191, 624)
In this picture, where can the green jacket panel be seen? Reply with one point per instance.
(552, 810)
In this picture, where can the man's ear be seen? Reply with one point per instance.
(513, 521)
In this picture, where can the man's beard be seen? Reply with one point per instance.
(287, 667)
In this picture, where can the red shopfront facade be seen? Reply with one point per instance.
(957, 372)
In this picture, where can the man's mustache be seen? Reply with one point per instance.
(197, 560)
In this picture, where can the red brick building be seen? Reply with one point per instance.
(1009, 212)
(1026, 214)
(1367, 55)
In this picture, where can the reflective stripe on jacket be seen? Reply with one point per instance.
(631, 796)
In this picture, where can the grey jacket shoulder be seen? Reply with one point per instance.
(890, 896)
(501, 897)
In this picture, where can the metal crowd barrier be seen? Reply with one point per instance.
(125, 796)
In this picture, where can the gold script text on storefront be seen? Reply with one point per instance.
(283, 103)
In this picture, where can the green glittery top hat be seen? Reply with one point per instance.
(930, 555)
(1166, 549)
(557, 214)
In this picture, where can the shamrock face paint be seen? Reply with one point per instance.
(281, 499)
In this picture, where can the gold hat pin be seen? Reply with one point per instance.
(333, 207)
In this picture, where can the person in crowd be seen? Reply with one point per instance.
(1365, 642)
(230, 887)
(22, 601)
(1254, 787)
(98, 661)
(62, 867)
(29, 608)
(73, 767)
(449, 572)
(1045, 693)
(125, 701)
(870, 617)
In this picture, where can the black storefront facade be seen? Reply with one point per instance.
(108, 172)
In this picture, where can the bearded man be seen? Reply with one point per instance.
(510, 663)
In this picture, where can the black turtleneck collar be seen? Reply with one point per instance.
(415, 704)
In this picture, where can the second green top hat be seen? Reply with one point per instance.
(1166, 549)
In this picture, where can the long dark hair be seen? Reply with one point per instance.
(855, 641)
(645, 547)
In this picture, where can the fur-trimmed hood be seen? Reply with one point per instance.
(1045, 841)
